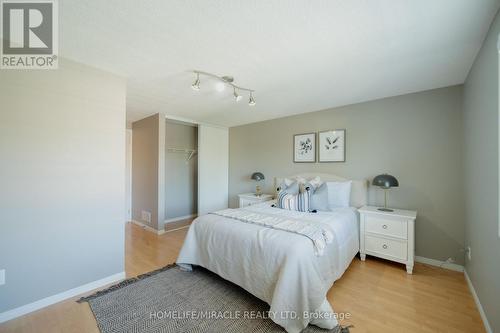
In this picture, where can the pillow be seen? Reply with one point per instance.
(319, 199)
(313, 183)
(339, 194)
(297, 202)
(288, 181)
(316, 182)
(300, 180)
(290, 188)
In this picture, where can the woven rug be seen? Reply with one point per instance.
(172, 300)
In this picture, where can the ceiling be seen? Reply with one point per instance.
(299, 56)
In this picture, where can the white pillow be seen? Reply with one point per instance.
(288, 181)
(315, 182)
(339, 194)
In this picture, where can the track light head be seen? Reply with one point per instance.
(236, 96)
(196, 84)
(251, 100)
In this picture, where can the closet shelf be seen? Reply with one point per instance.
(191, 152)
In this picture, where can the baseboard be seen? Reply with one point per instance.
(25, 309)
(185, 217)
(147, 227)
(438, 263)
(180, 228)
(487, 326)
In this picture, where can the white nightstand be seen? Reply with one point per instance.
(388, 235)
(248, 199)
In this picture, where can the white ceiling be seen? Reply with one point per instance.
(299, 56)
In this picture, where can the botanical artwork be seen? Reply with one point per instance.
(304, 147)
(332, 146)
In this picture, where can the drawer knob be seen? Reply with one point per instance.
(384, 226)
(384, 246)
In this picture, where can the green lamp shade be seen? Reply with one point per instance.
(385, 181)
(258, 176)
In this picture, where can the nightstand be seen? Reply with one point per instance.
(388, 235)
(248, 199)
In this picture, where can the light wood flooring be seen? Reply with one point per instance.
(378, 295)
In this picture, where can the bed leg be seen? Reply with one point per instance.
(362, 256)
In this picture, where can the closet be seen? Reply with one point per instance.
(181, 170)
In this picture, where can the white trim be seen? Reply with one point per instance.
(439, 263)
(478, 304)
(22, 310)
(128, 175)
(185, 217)
(183, 227)
(148, 228)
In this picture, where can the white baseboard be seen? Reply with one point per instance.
(478, 304)
(438, 263)
(185, 217)
(148, 228)
(25, 309)
(180, 228)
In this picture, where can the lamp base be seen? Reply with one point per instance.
(385, 209)
(257, 191)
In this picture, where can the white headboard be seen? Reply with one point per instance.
(359, 189)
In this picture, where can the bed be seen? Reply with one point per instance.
(281, 268)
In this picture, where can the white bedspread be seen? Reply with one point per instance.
(276, 266)
(307, 226)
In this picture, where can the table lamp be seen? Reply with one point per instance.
(385, 182)
(257, 176)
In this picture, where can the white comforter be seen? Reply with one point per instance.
(276, 266)
(318, 232)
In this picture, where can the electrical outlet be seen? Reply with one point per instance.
(146, 216)
(469, 253)
(2, 277)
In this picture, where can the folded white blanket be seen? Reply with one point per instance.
(319, 235)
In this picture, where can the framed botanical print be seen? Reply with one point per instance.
(304, 148)
(332, 146)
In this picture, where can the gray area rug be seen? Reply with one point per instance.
(172, 300)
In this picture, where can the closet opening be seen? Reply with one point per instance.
(181, 174)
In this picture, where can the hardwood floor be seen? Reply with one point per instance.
(379, 296)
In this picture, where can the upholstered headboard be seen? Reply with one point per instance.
(359, 189)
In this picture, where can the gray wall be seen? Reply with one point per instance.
(181, 191)
(417, 137)
(62, 169)
(481, 175)
(148, 169)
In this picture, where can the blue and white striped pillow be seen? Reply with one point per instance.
(297, 202)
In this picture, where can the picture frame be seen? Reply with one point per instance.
(331, 146)
(304, 148)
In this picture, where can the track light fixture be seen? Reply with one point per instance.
(223, 82)
(236, 96)
(251, 100)
(196, 84)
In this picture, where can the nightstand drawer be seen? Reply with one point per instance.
(246, 203)
(249, 199)
(393, 248)
(387, 226)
